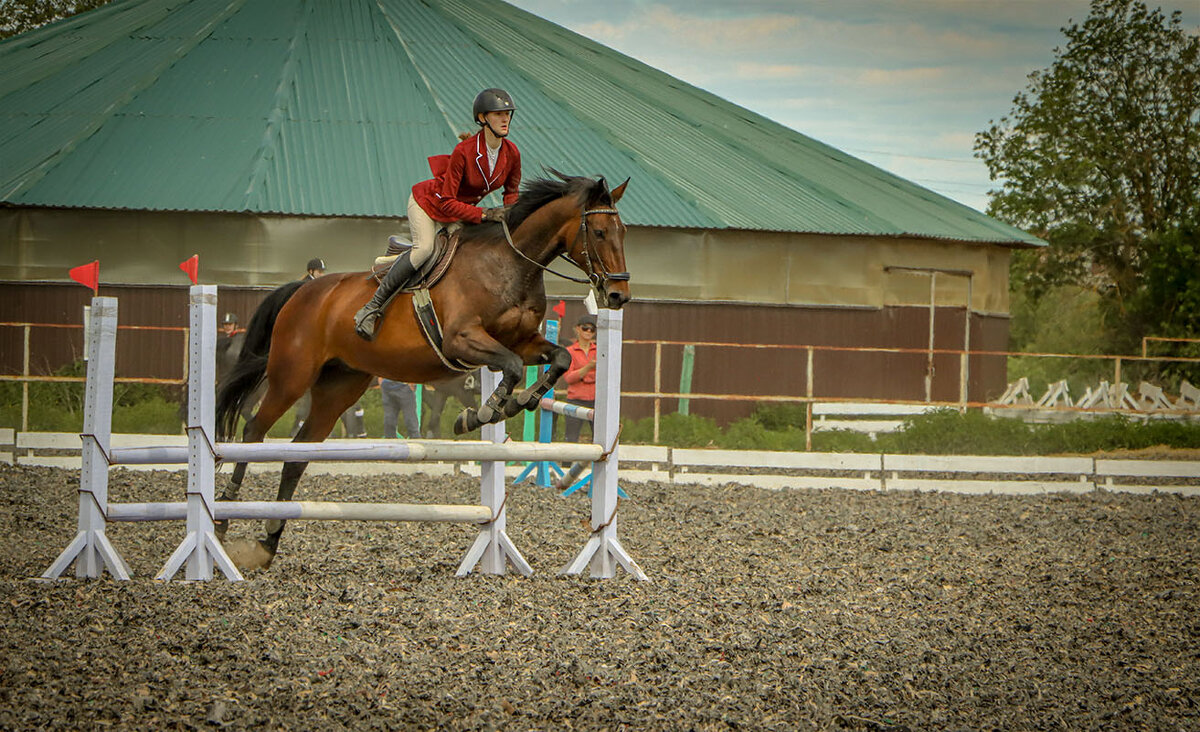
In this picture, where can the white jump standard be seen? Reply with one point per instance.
(603, 550)
(201, 551)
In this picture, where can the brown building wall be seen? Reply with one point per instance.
(717, 370)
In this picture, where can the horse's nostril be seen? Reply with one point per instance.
(617, 299)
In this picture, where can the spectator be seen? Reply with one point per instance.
(581, 376)
(399, 397)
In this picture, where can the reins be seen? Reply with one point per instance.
(594, 278)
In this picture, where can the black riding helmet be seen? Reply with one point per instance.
(491, 100)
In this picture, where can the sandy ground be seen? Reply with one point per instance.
(795, 609)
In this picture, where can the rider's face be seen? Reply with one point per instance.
(498, 121)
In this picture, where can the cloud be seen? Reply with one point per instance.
(685, 31)
(758, 70)
(893, 77)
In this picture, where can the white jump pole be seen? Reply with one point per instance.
(493, 551)
(603, 551)
(201, 549)
(360, 450)
(306, 510)
(91, 551)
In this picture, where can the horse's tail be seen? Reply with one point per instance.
(251, 368)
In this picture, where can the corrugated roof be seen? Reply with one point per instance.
(330, 107)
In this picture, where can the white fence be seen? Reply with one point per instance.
(679, 466)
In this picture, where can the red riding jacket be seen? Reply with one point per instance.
(461, 179)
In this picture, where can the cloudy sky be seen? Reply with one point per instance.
(902, 84)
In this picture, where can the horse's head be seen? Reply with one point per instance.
(574, 217)
(599, 246)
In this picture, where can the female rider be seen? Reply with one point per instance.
(477, 166)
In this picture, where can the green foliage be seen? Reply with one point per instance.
(780, 416)
(948, 432)
(1114, 432)
(1065, 319)
(843, 441)
(1099, 156)
(751, 434)
(25, 15)
(942, 432)
(154, 416)
(677, 430)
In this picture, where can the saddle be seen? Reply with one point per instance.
(445, 246)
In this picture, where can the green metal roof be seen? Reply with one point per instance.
(331, 107)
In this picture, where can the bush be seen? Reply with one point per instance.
(948, 432)
(676, 430)
(780, 417)
(843, 441)
(154, 415)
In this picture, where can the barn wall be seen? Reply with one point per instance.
(773, 268)
(717, 370)
(688, 285)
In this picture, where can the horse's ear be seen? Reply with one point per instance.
(619, 191)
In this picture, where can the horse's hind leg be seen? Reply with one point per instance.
(336, 390)
(280, 395)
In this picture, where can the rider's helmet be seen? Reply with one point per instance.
(491, 100)
(230, 319)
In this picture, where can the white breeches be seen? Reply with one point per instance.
(422, 229)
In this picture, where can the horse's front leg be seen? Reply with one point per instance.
(476, 346)
(538, 353)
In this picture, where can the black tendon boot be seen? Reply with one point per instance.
(366, 319)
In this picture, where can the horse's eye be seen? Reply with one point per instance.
(598, 233)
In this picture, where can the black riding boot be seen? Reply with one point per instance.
(366, 319)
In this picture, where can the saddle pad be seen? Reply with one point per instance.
(433, 269)
(423, 307)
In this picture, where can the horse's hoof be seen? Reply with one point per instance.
(220, 528)
(528, 399)
(485, 414)
(462, 423)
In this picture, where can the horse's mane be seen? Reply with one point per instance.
(541, 191)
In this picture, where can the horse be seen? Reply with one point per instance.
(464, 388)
(490, 303)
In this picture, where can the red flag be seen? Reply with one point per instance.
(87, 275)
(560, 309)
(192, 267)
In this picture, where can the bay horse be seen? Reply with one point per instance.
(490, 303)
(464, 388)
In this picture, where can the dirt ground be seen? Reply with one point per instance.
(796, 609)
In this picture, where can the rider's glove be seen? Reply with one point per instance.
(494, 214)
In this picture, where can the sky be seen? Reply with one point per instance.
(902, 84)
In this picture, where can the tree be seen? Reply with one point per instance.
(18, 16)
(1100, 156)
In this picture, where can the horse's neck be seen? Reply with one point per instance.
(542, 236)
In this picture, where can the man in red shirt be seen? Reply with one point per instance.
(581, 376)
(477, 166)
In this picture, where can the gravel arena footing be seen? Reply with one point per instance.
(776, 610)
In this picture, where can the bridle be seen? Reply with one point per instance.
(596, 273)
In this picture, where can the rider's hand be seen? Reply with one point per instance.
(494, 214)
